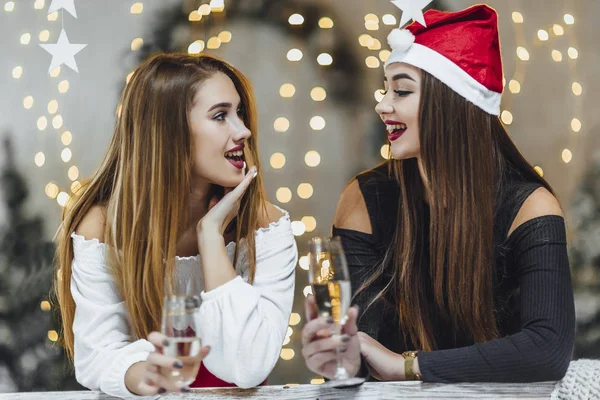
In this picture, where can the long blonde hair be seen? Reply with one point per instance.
(144, 183)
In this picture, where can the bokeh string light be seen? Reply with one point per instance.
(55, 120)
(376, 61)
(317, 123)
(544, 36)
(52, 190)
(312, 158)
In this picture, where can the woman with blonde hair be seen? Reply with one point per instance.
(172, 196)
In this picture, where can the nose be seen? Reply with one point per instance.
(384, 107)
(242, 133)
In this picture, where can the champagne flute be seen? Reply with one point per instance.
(328, 274)
(180, 308)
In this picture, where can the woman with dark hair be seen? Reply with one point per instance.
(173, 197)
(456, 246)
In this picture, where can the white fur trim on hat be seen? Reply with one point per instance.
(400, 40)
(446, 71)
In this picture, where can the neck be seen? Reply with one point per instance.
(198, 205)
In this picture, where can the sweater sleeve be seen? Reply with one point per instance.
(543, 348)
(245, 324)
(103, 347)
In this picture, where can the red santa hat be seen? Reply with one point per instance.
(461, 49)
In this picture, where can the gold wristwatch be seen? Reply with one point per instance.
(409, 359)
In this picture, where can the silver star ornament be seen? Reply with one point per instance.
(68, 5)
(411, 9)
(63, 52)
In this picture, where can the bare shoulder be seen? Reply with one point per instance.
(351, 212)
(540, 203)
(270, 214)
(92, 224)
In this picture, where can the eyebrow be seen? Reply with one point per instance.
(219, 105)
(402, 76)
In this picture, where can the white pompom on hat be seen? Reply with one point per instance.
(461, 49)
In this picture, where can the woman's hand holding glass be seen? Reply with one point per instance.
(330, 344)
(319, 345)
(175, 363)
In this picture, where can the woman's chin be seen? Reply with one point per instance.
(229, 180)
(402, 154)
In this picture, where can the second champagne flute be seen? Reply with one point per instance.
(330, 280)
(180, 308)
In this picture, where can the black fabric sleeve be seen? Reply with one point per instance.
(543, 348)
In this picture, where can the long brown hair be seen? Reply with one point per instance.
(144, 183)
(467, 158)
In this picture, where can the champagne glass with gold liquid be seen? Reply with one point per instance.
(330, 280)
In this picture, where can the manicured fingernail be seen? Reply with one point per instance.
(165, 342)
(330, 320)
(345, 338)
(185, 390)
(255, 174)
(343, 350)
(162, 390)
(178, 364)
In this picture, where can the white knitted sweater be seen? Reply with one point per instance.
(582, 381)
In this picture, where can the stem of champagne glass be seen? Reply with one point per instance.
(340, 371)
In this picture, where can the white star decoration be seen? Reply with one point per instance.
(63, 52)
(412, 9)
(68, 5)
